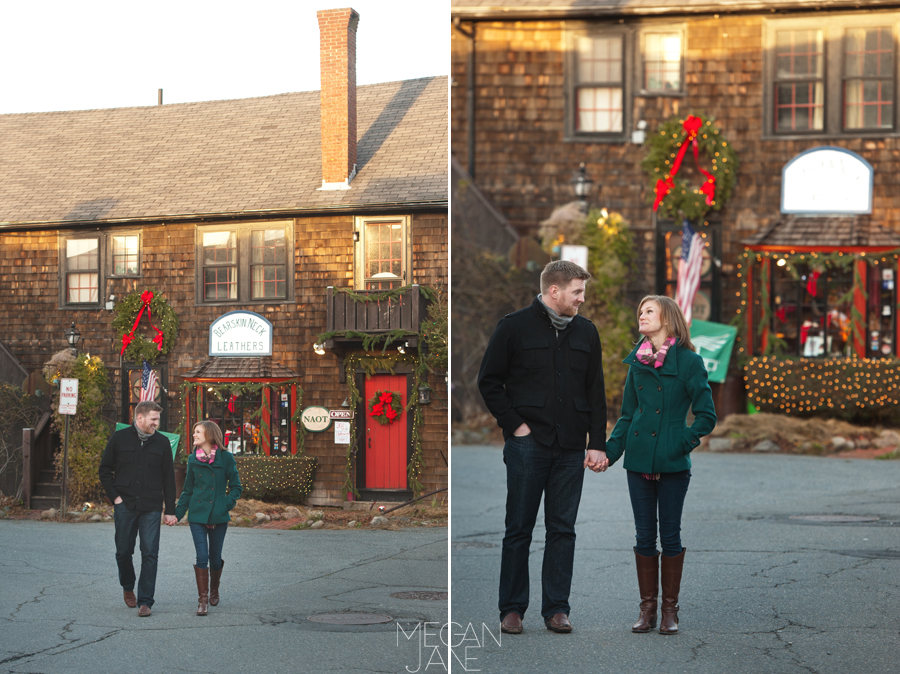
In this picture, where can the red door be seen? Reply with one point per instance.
(386, 445)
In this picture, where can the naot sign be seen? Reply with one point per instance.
(240, 334)
(315, 419)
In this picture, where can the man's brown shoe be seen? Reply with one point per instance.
(559, 623)
(511, 624)
(144, 611)
(130, 599)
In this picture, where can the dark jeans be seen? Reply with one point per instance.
(128, 524)
(665, 495)
(208, 544)
(533, 470)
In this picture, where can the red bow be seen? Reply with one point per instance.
(691, 126)
(146, 298)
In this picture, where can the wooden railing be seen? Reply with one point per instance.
(405, 313)
(37, 455)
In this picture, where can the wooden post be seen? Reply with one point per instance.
(27, 460)
(749, 308)
(859, 303)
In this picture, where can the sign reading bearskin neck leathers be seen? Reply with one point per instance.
(240, 334)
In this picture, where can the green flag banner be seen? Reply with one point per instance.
(714, 342)
(172, 438)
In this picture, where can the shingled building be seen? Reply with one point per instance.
(291, 210)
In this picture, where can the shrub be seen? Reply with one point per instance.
(20, 410)
(88, 432)
(862, 391)
(286, 479)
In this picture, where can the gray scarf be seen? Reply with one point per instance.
(143, 436)
(559, 322)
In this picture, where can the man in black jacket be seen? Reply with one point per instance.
(541, 378)
(137, 473)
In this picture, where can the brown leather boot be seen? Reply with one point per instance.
(214, 576)
(202, 576)
(671, 586)
(648, 585)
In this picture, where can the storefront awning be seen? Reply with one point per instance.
(837, 232)
(240, 368)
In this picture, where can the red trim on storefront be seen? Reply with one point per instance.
(858, 328)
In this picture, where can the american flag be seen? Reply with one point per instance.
(689, 269)
(148, 383)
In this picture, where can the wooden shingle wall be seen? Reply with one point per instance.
(523, 163)
(34, 323)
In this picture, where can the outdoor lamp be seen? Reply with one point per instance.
(424, 394)
(581, 183)
(72, 337)
(319, 348)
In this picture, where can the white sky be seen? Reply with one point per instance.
(86, 54)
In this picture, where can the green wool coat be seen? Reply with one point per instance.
(652, 432)
(210, 491)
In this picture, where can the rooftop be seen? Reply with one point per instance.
(253, 155)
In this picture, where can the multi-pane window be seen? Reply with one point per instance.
(384, 241)
(382, 253)
(82, 264)
(268, 252)
(662, 62)
(220, 273)
(799, 80)
(831, 75)
(600, 87)
(125, 255)
(869, 78)
(245, 263)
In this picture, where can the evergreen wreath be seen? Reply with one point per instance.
(665, 151)
(128, 313)
(385, 407)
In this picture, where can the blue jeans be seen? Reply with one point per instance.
(665, 495)
(208, 544)
(533, 470)
(129, 523)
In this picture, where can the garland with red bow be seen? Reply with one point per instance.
(128, 314)
(666, 151)
(386, 407)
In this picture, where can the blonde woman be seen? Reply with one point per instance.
(211, 489)
(665, 379)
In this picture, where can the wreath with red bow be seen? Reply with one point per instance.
(161, 318)
(714, 159)
(385, 407)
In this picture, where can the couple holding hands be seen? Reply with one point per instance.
(542, 379)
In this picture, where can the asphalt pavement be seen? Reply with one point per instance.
(61, 607)
(792, 566)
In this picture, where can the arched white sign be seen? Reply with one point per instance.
(827, 181)
(240, 334)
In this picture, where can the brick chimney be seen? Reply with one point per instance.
(337, 53)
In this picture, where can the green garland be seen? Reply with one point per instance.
(716, 154)
(370, 365)
(162, 316)
(369, 339)
(222, 391)
(389, 295)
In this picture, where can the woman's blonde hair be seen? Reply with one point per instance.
(213, 432)
(672, 319)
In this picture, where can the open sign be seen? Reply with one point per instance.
(315, 419)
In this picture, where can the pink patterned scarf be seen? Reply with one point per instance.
(203, 458)
(646, 355)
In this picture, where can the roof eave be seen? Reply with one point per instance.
(349, 209)
(513, 13)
